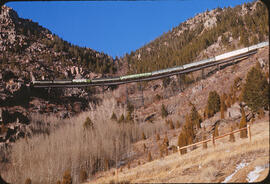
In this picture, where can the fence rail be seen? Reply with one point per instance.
(213, 138)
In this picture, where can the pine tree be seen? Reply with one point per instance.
(171, 124)
(243, 123)
(67, 178)
(182, 141)
(166, 141)
(28, 181)
(88, 124)
(164, 112)
(222, 107)
(157, 137)
(113, 117)
(213, 103)
(143, 136)
(177, 124)
(149, 157)
(195, 117)
(256, 90)
(83, 176)
(121, 119)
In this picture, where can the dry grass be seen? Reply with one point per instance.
(210, 165)
(44, 158)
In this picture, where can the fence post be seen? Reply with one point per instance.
(213, 140)
(178, 148)
(249, 133)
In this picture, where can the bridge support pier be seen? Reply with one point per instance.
(179, 82)
(218, 67)
(202, 73)
(141, 89)
(126, 95)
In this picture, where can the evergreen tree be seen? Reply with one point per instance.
(256, 90)
(213, 103)
(164, 112)
(88, 124)
(113, 117)
(182, 141)
(149, 157)
(143, 136)
(195, 117)
(222, 107)
(121, 119)
(166, 141)
(157, 137)
(67, 179)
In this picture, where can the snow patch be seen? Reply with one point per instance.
(238, 167)
(253, 175)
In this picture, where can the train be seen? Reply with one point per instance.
(158, 72)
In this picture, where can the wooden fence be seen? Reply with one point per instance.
(218, 137)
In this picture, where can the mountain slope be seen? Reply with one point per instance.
(24, 43)
(202, 37)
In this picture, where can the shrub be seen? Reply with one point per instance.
(182, 141)
(161, 151)
(164, 112)
(67, 179)
(195, 117)
(213, 103)
(171, 124)
(157, 137)
(121, 119)
(166, 141)
(256, 90)
(129, 117)
(222, 107)
(143, 136)
(88, 124)
(158, 97)
(113, 117)
(144, 147)
(177, 124)
(166, 81)
(28, 181)
(261, 114)
(149, 157)
(83, 175)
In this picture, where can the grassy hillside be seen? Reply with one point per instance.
(203, 165)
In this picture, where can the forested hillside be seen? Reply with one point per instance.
(194, 39)
(24, 43)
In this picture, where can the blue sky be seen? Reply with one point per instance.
(114, 27)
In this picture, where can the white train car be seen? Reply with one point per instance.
(81, 80)
(263, 44)
(42, 82)
(231, 54)
(62, 81)
(161, 71)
